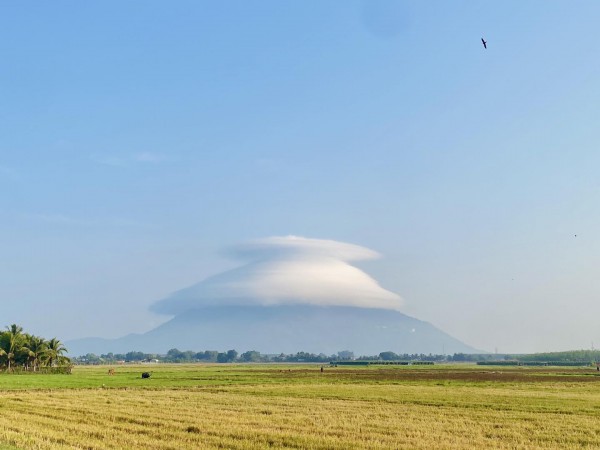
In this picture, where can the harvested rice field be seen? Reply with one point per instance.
(297, 406)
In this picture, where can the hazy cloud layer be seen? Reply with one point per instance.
(288, 270)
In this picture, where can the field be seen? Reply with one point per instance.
(297, 406)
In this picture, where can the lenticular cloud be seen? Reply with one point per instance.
(288, 270)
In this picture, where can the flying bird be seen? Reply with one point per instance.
(484, 43)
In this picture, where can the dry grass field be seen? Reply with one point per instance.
(260, 406)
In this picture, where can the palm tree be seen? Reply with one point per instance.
(14, 342)
(2, 351)
(54, 352)
(36, 348)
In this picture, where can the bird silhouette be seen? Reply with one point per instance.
(484, 43)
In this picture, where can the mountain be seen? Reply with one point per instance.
(284, 329)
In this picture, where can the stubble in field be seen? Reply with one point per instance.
(248, 407)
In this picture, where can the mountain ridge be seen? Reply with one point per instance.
(284, 329)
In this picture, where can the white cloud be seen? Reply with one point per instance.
(288, 270)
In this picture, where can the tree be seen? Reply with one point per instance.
(174, 354)
(207, 355)
(20, 349)
(54, 353)
(250, 356)
(345, 355)
(36, 348)
(459, 357)
(189, 355)
(228, 357)
(92, 358)
(12, 343)
(388, 356)
(135, 356)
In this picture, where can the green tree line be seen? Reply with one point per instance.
(177, 356)
(567, 356)
(24, 351)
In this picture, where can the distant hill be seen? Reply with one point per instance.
(284, 329)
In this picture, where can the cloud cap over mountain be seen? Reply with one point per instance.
(288, 270)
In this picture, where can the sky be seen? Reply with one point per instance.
(139, 140)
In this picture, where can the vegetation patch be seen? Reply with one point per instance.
(22, 352)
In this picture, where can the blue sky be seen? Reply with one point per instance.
(141, 138)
